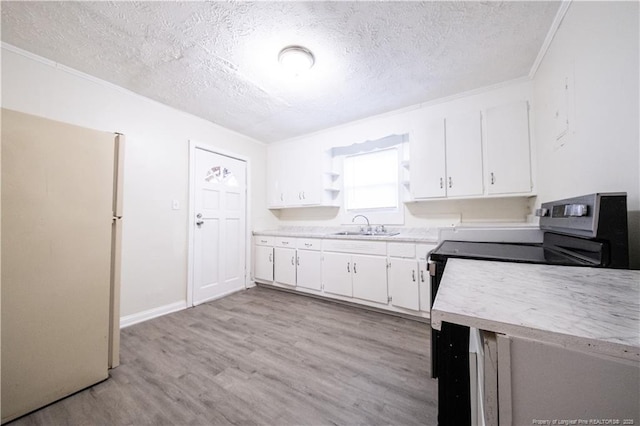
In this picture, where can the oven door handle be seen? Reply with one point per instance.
(432, 269)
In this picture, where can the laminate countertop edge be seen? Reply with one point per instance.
(398, 238)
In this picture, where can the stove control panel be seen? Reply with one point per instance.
(581, 216)
(570, 210)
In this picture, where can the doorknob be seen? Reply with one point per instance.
(199, 222)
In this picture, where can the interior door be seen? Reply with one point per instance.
(219, 234)
(57, 211)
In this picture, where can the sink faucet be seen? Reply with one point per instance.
(365, 218)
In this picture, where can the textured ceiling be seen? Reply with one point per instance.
(218, 60)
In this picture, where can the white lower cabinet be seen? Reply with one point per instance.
(409, 281)
(392, 275)
(263, 263)
(309, 267)
(284, 267)
(370, 278)
(360, 276)
(336, 274)
(404, 286)
(284, 264)
(424, 280)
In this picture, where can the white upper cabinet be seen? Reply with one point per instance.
(427, 169)
(297, 176)
(508, 149)
(463, 135)
(471, 154)
(276, 177)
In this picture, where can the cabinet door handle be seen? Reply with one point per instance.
(270, 257)
(354, 268)
(293, 260)
(422, 275)
(441, 183)
(348, 270)
(298, 260)
(285, 243)
(493, 179)
(303, 197)
(413, 275)
(450, 182)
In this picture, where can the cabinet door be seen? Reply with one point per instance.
(336, 274)
(464, 155)
(263, 263)
(284, 267)
(308, 177)
(424, 286)
(309, 269)
(370, 278)
(276, 177)
(404, 283)
(508, 153)
(427, 170)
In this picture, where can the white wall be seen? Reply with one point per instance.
(597, 47)
(424, 213)
(154, 267)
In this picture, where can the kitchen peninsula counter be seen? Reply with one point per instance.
(587, 309)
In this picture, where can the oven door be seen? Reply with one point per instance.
(450, 362)
(435, 272)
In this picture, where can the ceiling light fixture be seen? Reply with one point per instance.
(296, 59)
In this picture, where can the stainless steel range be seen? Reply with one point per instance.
(589, 231)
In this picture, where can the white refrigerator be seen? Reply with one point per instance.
(61, 229)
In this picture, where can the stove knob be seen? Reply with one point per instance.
(542, 212)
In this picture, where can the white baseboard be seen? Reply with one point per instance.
(132, 319)
(220, 296)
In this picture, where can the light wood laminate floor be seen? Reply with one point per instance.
(262, 357)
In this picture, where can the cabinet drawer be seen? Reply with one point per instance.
(422, 250)
(355, 246)
(309, 244)
(285, 242)
(402, 250)
(261, 240)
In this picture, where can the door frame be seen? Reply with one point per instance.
(193, 146)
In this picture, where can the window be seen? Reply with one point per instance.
(371, 180)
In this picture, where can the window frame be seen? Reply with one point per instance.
(376, 216)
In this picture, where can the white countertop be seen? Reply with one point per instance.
(407, 235)
(589, 309)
